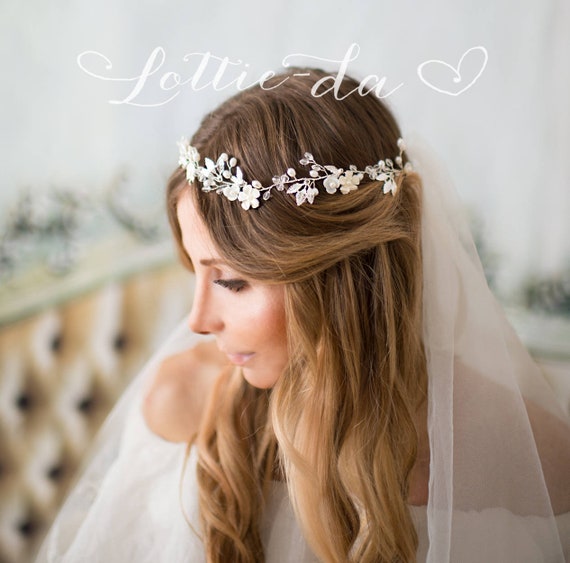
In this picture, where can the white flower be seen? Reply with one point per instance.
(189, 159)
(331, 183)
(183, 146)
(192, 171)
(279, 181)
(249, 197)
(232, 188)
(231, 191)
(349, 181)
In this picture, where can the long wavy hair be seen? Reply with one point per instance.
(340, 425)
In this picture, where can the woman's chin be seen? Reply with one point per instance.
(262, 380)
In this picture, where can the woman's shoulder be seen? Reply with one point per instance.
(174, 402)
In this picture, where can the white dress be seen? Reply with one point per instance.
(137, 516)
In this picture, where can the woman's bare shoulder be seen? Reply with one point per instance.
(180, 391)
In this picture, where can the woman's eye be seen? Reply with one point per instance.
(232, 285)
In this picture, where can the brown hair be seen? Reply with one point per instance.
(342, 416)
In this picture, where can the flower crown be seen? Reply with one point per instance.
(226, 178)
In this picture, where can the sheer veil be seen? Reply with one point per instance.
(493, 421)
(499, 441)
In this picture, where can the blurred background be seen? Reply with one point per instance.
(94, 97)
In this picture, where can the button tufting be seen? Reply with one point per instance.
(56, 343)
(55, 473)
(120, 342)
(86, 405)
(24, 401)
(26, 528)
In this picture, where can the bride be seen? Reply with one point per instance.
(352, 392)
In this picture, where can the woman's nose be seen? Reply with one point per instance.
(204, 316)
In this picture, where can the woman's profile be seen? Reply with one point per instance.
(356, 394)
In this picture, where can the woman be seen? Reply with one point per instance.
(374, 379)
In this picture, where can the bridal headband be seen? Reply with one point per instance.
(225, 177)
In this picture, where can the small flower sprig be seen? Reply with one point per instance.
(225, 177)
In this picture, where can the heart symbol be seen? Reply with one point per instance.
(455, 70)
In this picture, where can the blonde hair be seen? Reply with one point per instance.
(341, 419)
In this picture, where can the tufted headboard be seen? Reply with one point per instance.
(61, 371)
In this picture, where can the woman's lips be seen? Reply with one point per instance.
(239, 359)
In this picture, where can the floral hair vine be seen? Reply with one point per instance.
(225, 177)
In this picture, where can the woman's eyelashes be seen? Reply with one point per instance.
(232, 285)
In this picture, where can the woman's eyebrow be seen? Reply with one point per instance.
(211, 262)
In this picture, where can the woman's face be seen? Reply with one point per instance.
(246, 317)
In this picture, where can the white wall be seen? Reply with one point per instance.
(506, 139)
